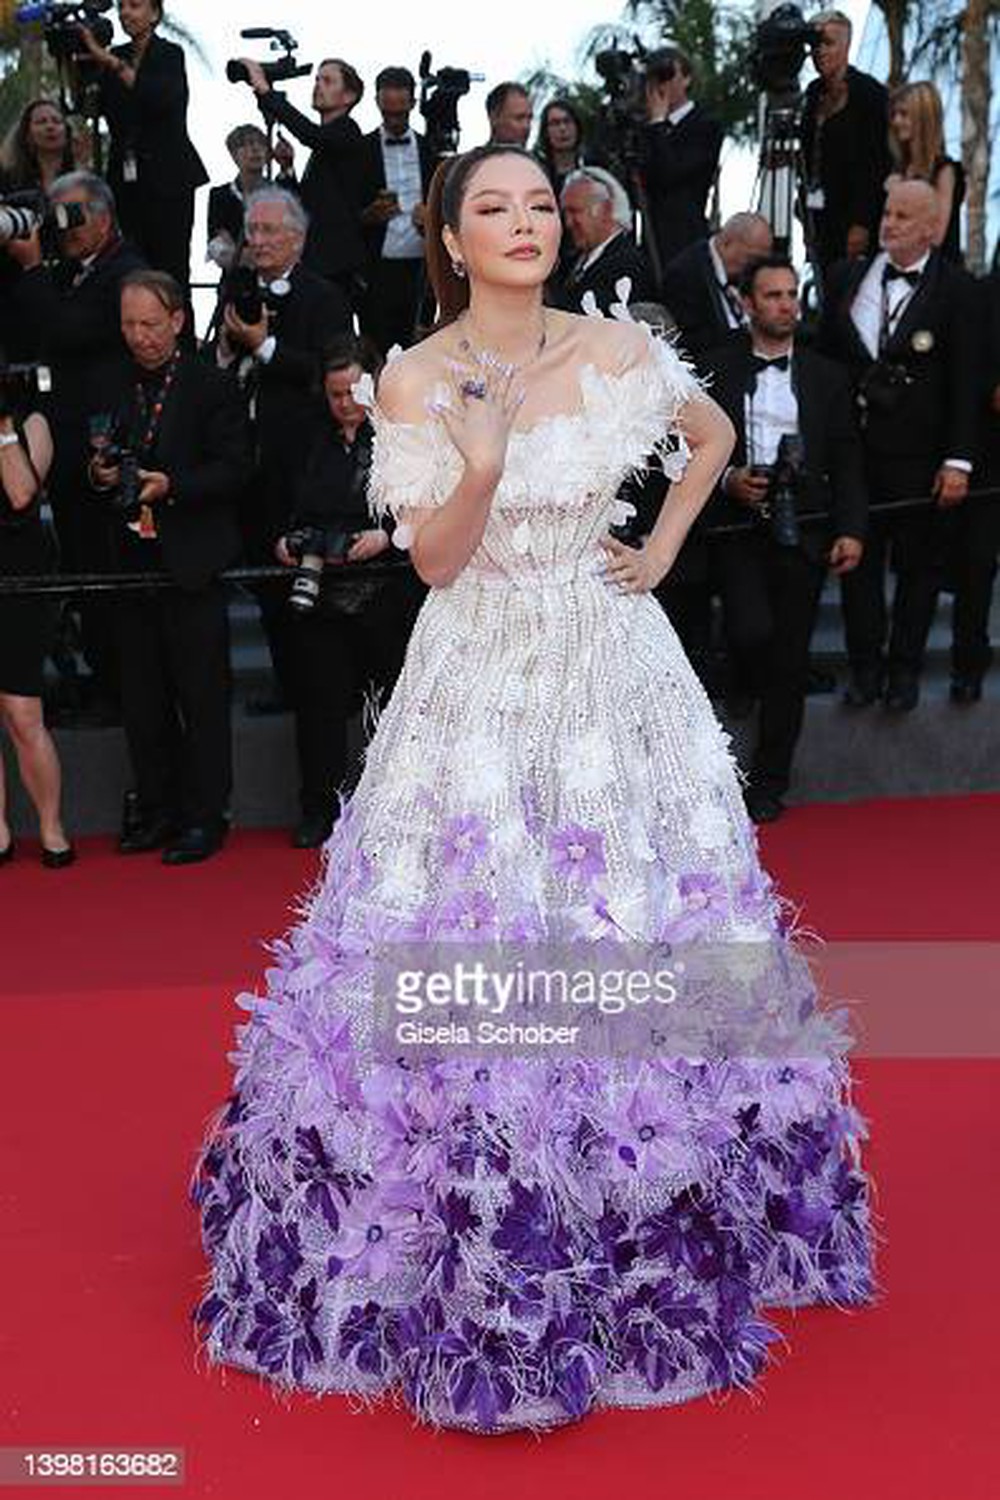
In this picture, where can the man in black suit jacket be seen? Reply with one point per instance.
(184, 423)
(701, 284)
(903, 322)
(396, 173)
(771, 573)
(278, 362)
(845, 147)
(598, 216)
(331, 183)
(72, 309)
(682, 145)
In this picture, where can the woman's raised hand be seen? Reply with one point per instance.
(480, 414)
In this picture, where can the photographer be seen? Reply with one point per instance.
(346, 637)
(397, 173)
(681, 145)
(598, 217)
(26, 550)
(905, 324)
(153, 167)
(274, 334)
(73, 309)
(171, 476)
(845, 147)
(227, 203)
(331, 184)
(797, 451)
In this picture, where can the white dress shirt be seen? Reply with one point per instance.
(401, 162)
(771, 411)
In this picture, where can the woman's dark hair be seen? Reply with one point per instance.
(542, 146)
(444, 208)
(18, 159)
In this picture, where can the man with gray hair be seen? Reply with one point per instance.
(73, 309)
(598, 217)
(276, 323)
(845, 145)
(700, 284)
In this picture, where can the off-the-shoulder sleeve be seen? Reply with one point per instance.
(652, 382)
(413, 465)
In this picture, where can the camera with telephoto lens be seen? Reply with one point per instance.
(125, 497)
(20, 385)
(21, 214)
(312, 547)
(61, 22)
(779, 508)
(281, 68)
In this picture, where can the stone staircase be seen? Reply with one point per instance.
(844, 754)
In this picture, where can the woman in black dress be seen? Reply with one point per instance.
(916, 140)
(152, 166)
(25, 458)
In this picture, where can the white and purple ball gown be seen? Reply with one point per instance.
(512, 1241)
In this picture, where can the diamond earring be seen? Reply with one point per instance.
(458, 266)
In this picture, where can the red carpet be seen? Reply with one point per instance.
(118, 979)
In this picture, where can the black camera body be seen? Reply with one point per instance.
(61, 22)
(280, 69)
(243, 294)
(124, 498)
(881, 388)
(22, 213)
(779, 51)
(439, 95)
(313, 547)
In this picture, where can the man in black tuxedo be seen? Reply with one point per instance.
(278, 362)
(72, 308)
(396, 174)
(903, 322)
(184, 426)
(598, 218)
(845, 147)
(681, 146)
(331, 184)
(701, 284)
(781, 396)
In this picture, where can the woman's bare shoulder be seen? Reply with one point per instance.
(410, 376)
(610, 344)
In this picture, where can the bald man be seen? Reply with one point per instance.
(903, 322)
(700, 284)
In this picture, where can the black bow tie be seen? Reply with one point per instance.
(894, 273)
(396, 140)
(759, 363)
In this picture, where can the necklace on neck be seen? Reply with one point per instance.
(469, 349)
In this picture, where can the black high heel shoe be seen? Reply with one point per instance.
(7, 853)
(58, 859)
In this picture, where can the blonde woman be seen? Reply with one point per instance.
(916, 140)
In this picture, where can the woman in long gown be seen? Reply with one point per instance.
(511, 1240)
